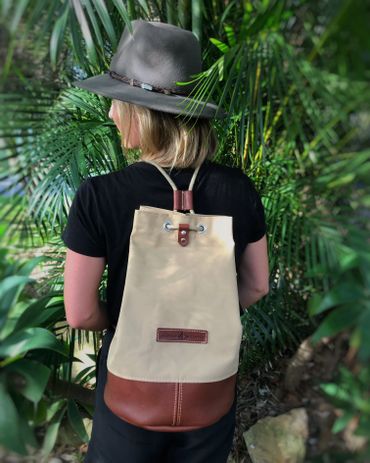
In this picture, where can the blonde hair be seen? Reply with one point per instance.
(169, 139)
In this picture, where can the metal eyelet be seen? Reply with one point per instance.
(201, 228)
(167, 225)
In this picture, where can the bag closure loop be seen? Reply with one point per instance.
(182, 199)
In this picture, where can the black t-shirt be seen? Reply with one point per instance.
(101, 215)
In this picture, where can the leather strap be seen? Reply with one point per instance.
(182, 199)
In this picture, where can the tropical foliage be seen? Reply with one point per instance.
(32, 351)
(293, 76)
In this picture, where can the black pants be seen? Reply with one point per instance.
(114, 440)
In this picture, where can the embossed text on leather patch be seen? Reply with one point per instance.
(182, 335)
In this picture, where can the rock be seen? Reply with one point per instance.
(279, 439)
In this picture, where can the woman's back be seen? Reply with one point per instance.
(101, 216)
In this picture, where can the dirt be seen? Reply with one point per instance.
(292, 382)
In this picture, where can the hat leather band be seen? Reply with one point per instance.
(138, 83)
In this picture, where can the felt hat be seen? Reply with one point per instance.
(146, 66)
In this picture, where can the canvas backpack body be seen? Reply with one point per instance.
(173, 361)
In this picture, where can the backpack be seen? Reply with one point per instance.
(173, 360)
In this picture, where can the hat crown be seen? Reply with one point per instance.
(159, 54)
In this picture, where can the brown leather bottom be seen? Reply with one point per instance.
(169, 406)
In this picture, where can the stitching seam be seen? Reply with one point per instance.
(174, 406)
(179, 404)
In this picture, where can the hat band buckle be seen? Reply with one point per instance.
(144, 85)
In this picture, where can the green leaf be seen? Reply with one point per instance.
(338, 320)
(85, 30)
(342, 180)
(40, 412)
(10, 288)
(25, 410)
(106, 21)
(57, 35)
(230, 34)
(42, 311)
(54, 408)
(124, 14)
(336, 391)
(76, 420)
(28, 266)
(342, 421)
(363, 331)
(52, 432)
(223, 47)
(342, 294)
(144, 6)
(36, 375)
(314, 304)
(20, 7)
(10, 431)
(31, 338)
(363, 428)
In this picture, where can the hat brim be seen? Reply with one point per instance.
(112, 88)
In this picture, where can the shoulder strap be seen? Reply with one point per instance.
(182, 199)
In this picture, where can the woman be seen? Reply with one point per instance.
(145, 101)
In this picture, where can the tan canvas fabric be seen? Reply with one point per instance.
(171, 286)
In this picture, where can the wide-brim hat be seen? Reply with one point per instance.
(146, 66)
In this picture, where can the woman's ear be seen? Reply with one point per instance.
(133, 132)
(110, 114)
(114, 114)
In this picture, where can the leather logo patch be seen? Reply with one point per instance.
(182, 335)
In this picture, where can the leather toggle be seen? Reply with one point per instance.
(183, 200)
(183, 234)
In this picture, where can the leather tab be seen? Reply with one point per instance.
(183, 234)
(183, 200)
(182, 335)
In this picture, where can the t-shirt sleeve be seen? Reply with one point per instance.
(256, 224)
(83, 232)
